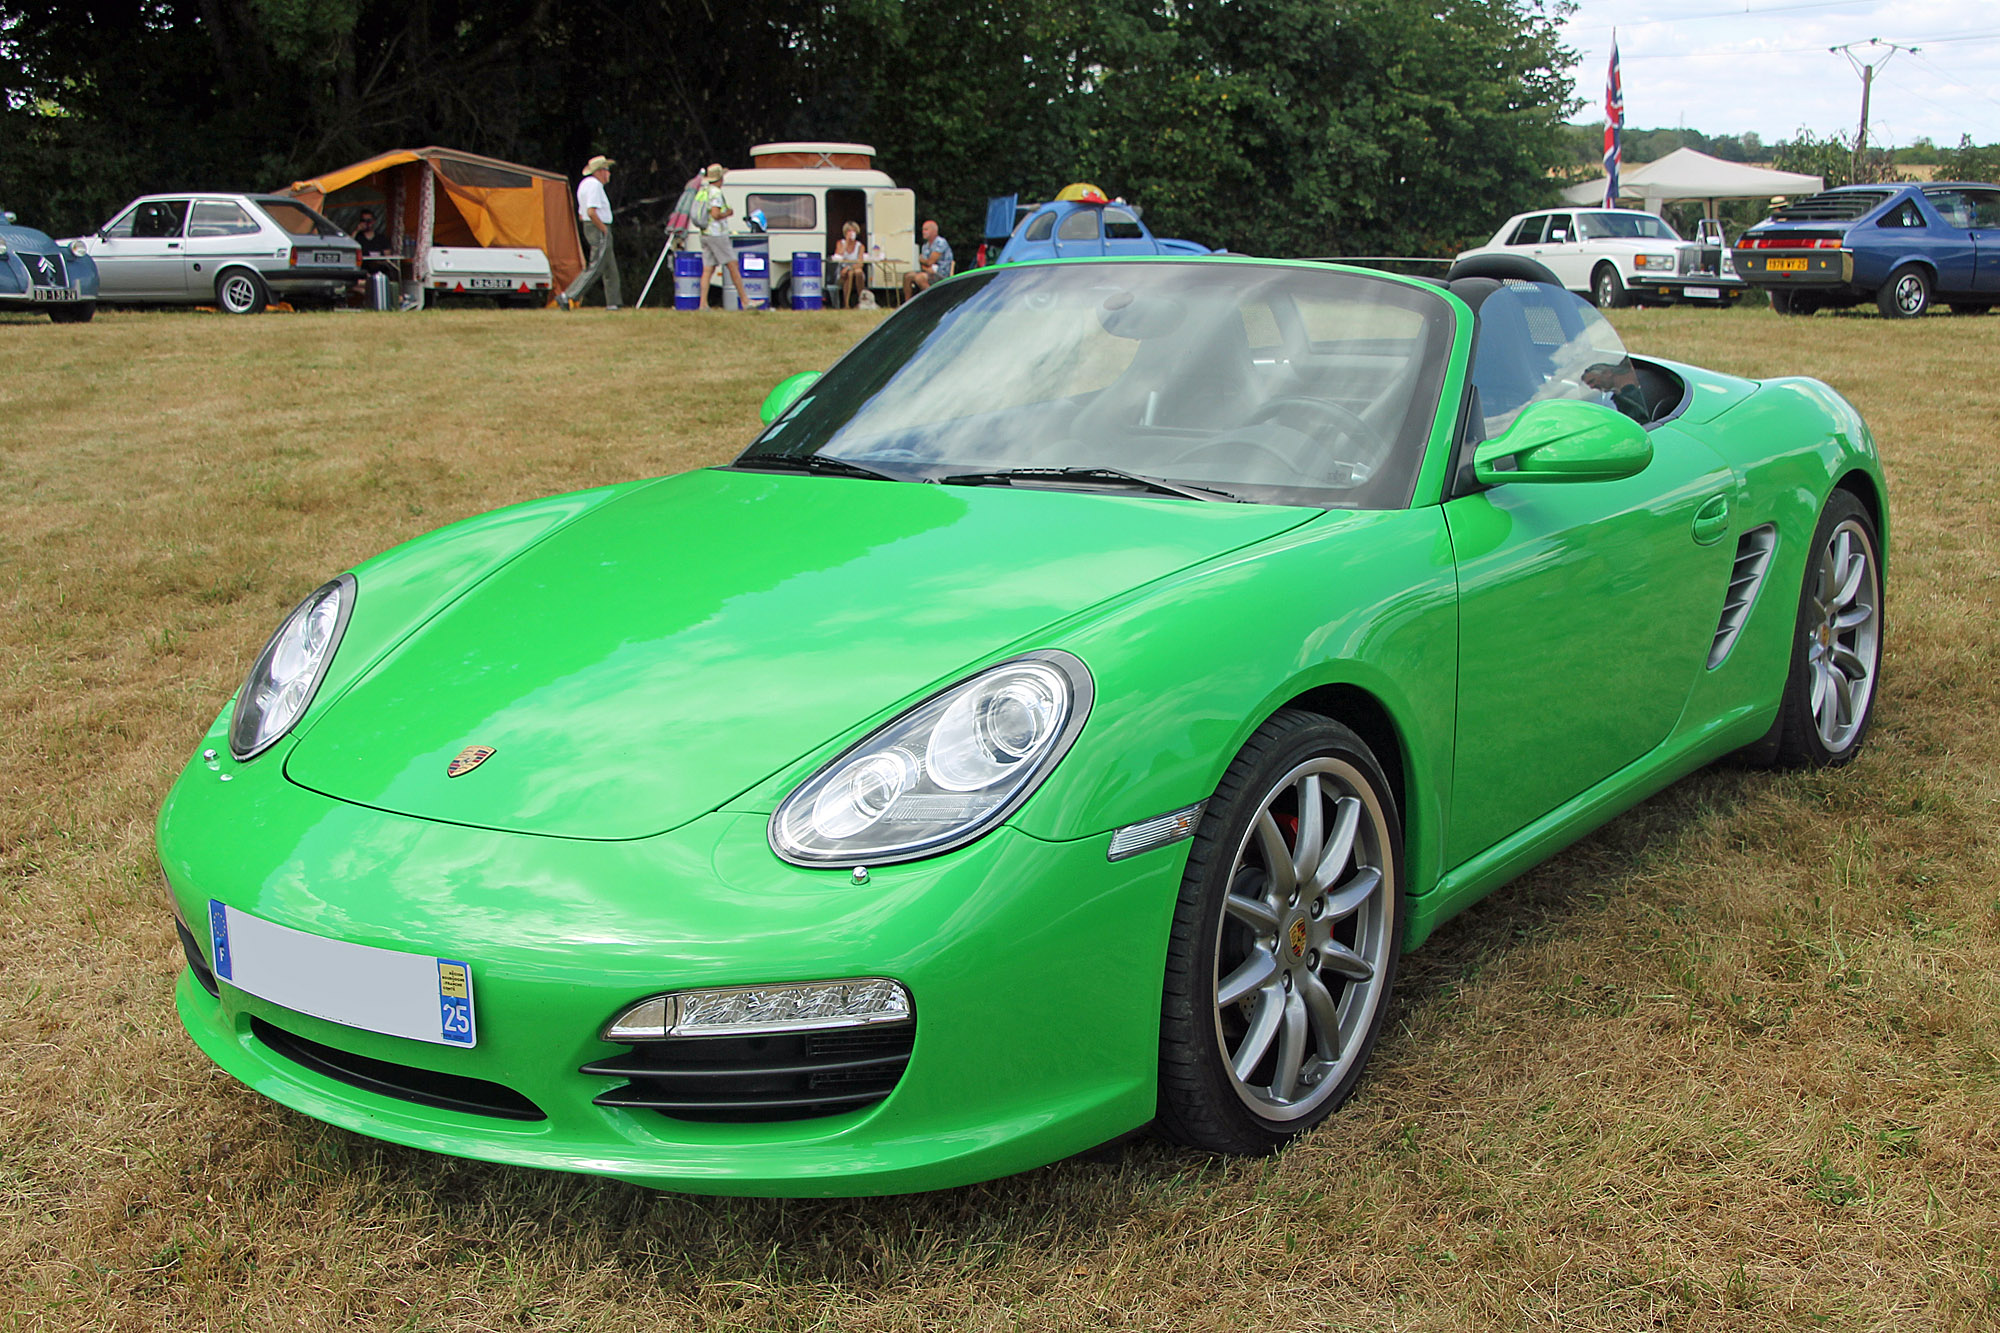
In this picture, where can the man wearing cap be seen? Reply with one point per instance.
(933, 259)
(593, 211)
(712, 212)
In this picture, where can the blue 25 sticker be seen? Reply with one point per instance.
(454, 1002)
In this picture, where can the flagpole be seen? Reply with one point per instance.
(1614, 125)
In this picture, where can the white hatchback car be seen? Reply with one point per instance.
(1618, 256)
(236, 251)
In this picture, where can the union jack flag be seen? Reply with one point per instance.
(1614, 126)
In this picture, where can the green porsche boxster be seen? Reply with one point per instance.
(1057, 721)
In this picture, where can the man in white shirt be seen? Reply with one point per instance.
(593, 213)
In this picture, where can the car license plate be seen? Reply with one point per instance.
(489, 284)
(1704, 293)
(330, 257)
(419, 996)
(1785, 265)
(51, 294)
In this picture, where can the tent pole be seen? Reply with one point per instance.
(655, 273)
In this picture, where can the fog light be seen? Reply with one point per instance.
(736, 1011)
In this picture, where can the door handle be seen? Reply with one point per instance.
(1711, 521)
(173, 245)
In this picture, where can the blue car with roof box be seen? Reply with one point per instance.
(1904, 247)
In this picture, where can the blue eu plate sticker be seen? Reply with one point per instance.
(218, 939)
(454, 1002)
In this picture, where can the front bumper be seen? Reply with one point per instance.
(1035, 971)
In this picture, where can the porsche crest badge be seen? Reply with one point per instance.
(471, 757)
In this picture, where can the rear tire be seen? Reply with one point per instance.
(1285, 941)
(1608, 289)
(1836, 659)
(1906, 295)
(79, 313)
(238, 291)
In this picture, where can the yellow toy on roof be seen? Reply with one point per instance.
(1083, 192)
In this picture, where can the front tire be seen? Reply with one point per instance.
(80, 313)
(1608, 289)
(1906, 295)
(238, 291)
(1837, 646)
(1285, 940)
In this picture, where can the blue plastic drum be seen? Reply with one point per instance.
(687, 280)
(808, 276)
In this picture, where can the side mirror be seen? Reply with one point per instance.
(1562, 440)
(788, 391)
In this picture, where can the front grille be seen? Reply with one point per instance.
(46, 270)
(1746, 576)
(426, 1087)
(783, 1076)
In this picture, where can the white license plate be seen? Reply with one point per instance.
(419, 996)
(51, 294)
(330, 258)
(1704, 293)
(489, 284)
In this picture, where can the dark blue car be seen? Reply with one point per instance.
(1901, 246)
(38, 274)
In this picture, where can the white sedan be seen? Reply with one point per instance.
(1617, 256)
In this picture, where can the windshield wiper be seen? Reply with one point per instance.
(827, 463)
(1110, 476)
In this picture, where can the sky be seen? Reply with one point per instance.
(1730, 66)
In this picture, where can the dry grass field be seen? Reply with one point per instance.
(1731, 1064)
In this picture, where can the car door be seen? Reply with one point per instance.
(138, 254)
(1985, 206)
(1561, 251)
(1123, 235)
(218, 231)
(1586, 611)
(1947, 242)
(1079, 235)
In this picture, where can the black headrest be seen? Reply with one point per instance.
(1519, 267)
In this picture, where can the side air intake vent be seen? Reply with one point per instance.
(1753, 559)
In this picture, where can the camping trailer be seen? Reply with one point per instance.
(460, 223)
(808, 192)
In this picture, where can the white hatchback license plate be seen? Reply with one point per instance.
(51, 293)
(419, 996)
(330, 258)
(1704, 293)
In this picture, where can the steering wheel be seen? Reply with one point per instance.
(1347, 422)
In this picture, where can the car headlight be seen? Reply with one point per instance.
(943, 773)
(289, 669)
(76, 248)
(1654, 261)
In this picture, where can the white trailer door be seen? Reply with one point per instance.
(892, 224)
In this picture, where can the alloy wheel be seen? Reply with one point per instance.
(1844, 634)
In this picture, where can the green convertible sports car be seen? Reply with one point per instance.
(1058, 720)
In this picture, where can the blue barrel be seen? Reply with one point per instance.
(808, 274)
(753, 260)
(687, 280)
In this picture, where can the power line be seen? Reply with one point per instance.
(1724, 14)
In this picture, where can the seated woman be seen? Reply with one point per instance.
(851, 265)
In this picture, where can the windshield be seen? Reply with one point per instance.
(298, 219)
(1279, 384)
(1627, 226)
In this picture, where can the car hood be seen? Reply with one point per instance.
(670, 649)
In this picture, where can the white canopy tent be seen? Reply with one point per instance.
(1686, 174)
